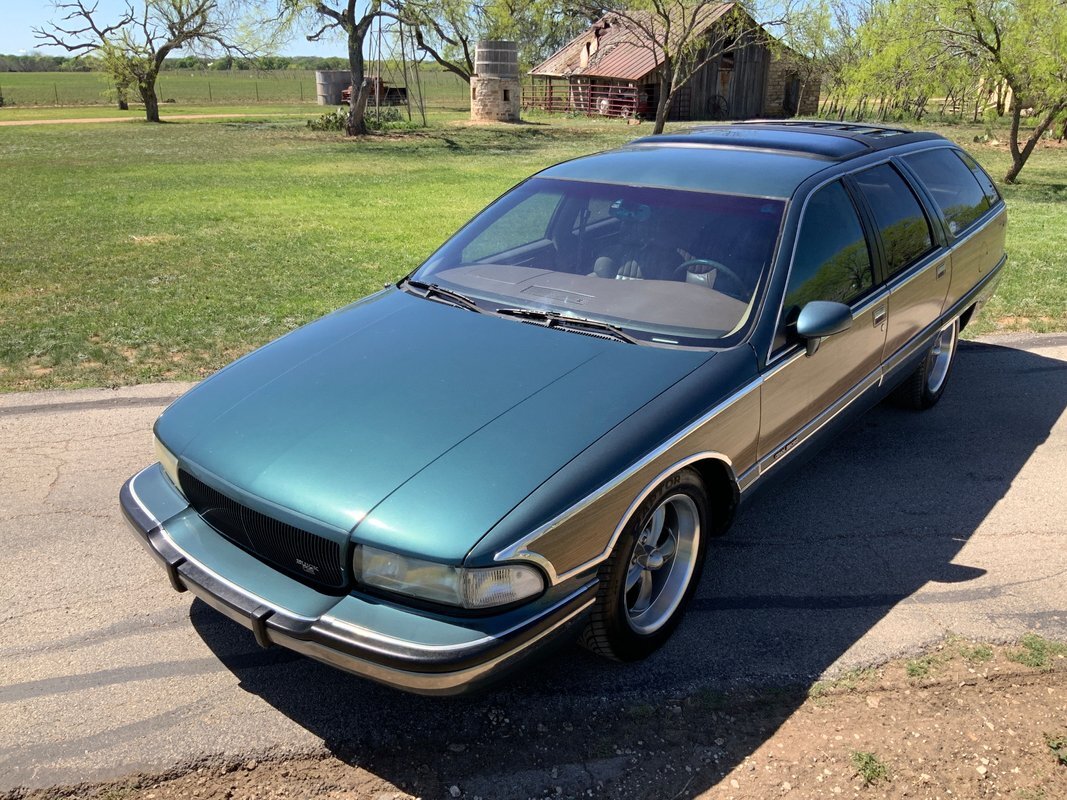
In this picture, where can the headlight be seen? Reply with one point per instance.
(169, 462)
(456, 586)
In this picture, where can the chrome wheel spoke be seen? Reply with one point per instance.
(654, 529)
(644, 593)
(633, 576)
(668, 547)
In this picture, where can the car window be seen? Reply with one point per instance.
(900, 219)
(597, 210)
(832, 260)
(988, 187)
(526, 223)
(669, 266)
(953, 185)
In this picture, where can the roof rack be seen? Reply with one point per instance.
(816, 138)
(862, 128)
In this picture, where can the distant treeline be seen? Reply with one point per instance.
(36, 62)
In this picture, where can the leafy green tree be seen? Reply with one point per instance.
(1010, 52)
(809, 34)
(133, 47)
(1023, 43)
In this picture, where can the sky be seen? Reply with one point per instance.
(19, 17)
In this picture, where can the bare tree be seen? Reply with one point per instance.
(684, 36)
(134, 46)
(448, 30)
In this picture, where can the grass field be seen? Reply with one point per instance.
(207, 87)
(133, 252)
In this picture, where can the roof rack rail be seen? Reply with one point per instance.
(863, 128)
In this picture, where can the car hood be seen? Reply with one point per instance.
(407, 423)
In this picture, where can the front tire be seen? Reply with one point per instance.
(924, 387)
(647, 581)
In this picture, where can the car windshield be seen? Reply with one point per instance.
(666, 265)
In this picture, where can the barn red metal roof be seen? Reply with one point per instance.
(620, 47)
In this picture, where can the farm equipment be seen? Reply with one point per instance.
(380, 93)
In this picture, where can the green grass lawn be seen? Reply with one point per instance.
(132, 252)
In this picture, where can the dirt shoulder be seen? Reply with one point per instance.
(965, 720)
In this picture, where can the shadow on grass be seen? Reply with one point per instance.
(808, 570)
(474, 140)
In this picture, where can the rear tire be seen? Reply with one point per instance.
(924, 387)
(651, 574)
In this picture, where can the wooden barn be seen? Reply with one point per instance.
(611, 70)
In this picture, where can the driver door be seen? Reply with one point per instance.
(832, 261)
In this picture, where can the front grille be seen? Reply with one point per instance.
(307, 556)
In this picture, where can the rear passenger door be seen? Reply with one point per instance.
(914, 265)
(965, 196)
(832, 261)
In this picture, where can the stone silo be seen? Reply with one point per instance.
(496, 93)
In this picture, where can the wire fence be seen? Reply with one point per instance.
(207, 87)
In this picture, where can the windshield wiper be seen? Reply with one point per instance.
(433, 291)
(553, 319)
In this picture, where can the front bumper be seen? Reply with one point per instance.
(401, 647)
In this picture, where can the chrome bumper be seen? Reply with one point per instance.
(424, 668)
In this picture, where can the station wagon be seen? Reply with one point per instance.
(531, 438)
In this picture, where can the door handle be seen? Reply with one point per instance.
(879, 315)
(941, 268)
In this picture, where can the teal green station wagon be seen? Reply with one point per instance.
(531, 438)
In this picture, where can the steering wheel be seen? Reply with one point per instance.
(720, 269)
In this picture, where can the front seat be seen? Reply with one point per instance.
(639, 252)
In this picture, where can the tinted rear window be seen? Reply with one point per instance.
(900, 219)
(953, 185)
(982, 177)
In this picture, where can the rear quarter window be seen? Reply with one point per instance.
(954, 186)
(981, 176)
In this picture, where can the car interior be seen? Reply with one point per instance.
(683, 261)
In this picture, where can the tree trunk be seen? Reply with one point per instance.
(121, 94)
(663, 103)
(1019, 155)
(147, 88)
(357, 100)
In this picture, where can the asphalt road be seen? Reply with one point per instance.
(909, 527)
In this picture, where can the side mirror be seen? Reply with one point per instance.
(821, 318)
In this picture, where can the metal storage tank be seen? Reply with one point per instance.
(496, 93)
(329, 83)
